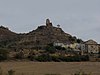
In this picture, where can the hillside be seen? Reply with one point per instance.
(5, 33)
(41, 37)
(7, 37)
(46, 34)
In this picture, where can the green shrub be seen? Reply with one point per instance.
(70, 58)
(47, 57)
(55, 58)
(50, 49)
(3, 54)
(31, 57)
(19, 55)
(44, 58)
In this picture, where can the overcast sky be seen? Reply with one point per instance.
(80, 18)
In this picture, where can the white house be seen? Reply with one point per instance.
(59, 44)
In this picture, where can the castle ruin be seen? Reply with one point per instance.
(48, 23)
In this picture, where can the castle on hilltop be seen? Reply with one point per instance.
(48, 23)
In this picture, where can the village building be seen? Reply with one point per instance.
(92, 46)
(88, 47)
(59, 44)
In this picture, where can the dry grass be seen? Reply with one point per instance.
(41, 68)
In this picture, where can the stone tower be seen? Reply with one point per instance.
(48, 23)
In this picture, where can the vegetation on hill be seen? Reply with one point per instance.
(38, 38)
(3, 54)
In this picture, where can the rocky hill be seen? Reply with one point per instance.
(43, 35)
(5, 33)
(7, 37)
(46, 34)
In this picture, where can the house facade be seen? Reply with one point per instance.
(99, 48)
(92, 46)
(59, 44)
(89, 46)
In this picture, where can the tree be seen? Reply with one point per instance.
(79, 40)
(50, 49)
(72, 39)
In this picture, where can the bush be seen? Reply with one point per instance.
(70, 58)
(50, 49)
(84, 58)
(55, 58)
(31, 57)
(44, 58)
(47, 57)
(19, 55)
(3, 54)
(60, 48)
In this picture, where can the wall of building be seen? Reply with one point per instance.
(93, 48)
